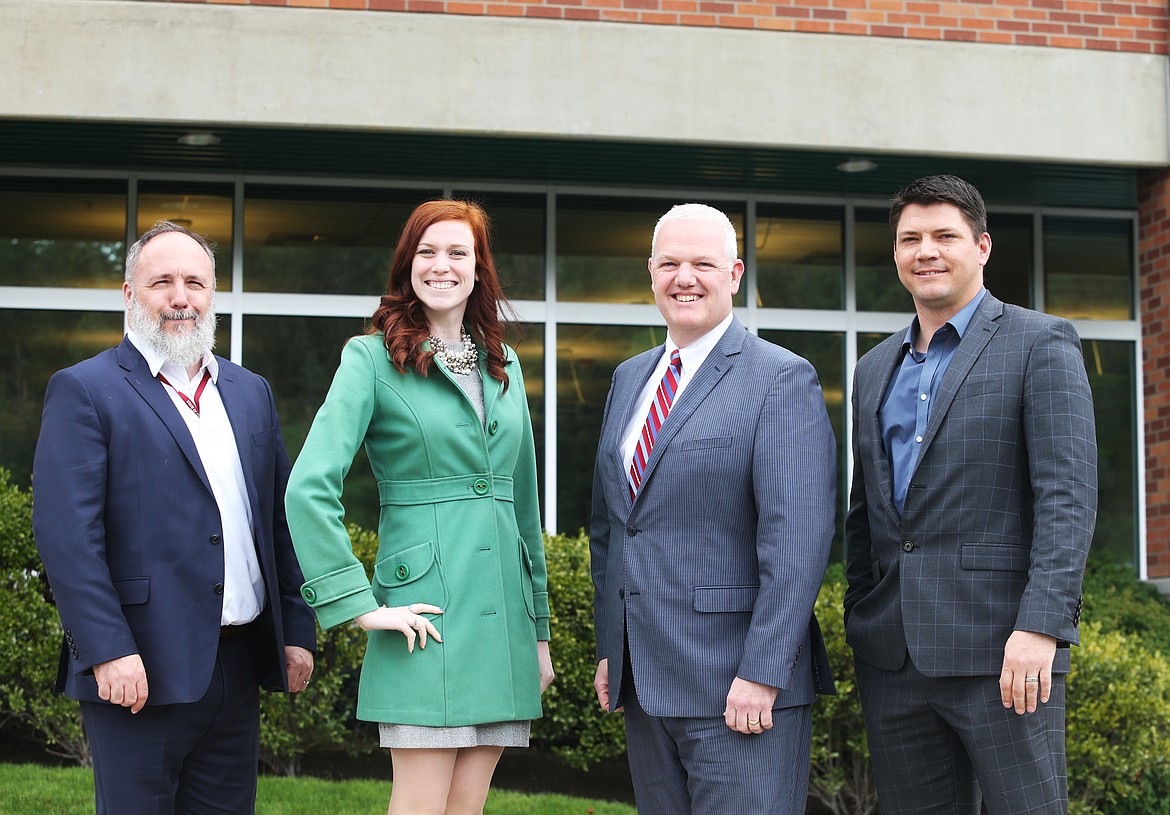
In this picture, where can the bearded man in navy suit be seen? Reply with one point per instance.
(708, 549)
(971, 512)
(158, 509)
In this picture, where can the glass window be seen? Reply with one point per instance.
(1088, 268)
(1008, 273)
(322, 241)
(518, 240)
(203, 208)
(1111, 376)
(298, 356)
(878, 287)
(530, 349)
(826, 351)
(586, 358)
(38, 344)
(62, 233)
(800, 257)
(603, 245)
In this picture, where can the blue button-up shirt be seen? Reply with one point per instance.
(913, 389)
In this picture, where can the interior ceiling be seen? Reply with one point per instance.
(368, 154)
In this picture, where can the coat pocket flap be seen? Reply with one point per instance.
(725, 598)
(996, 557)
(133, 590)
(406, 566)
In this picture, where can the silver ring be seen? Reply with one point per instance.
(1031, 679)
(410, 608)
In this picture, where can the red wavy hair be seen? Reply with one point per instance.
(401, 318)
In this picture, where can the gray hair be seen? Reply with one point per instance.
(161, 228)
(680, 212)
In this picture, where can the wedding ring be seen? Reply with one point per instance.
(753, 722)
(305, 682)
(1031, 679)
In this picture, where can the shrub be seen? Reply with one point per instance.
(574, 727)
(30, 635)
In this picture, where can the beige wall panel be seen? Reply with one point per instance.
(133, 60)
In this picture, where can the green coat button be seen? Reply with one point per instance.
(308, 594)
(480, 487)
(493, 427)
(402, 572)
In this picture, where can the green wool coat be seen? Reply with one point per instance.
(459, 529)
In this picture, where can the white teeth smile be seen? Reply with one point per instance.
(441, 284)
(686, 298)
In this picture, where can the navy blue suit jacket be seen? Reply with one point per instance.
(130, 532)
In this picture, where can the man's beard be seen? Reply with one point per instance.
(184, 348)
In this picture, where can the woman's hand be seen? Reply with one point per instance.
(544, 658)
(405, 619)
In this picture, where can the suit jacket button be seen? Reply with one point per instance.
(219, 588)
(621, 594)
(631, 531)
(214, 539)
(908, 546)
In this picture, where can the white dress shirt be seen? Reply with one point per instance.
(692, 357)
(243, 585)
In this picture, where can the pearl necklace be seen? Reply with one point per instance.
(461, 361)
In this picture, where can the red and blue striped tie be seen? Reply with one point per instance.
(663, 398)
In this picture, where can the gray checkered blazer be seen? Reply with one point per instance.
(1000, 510)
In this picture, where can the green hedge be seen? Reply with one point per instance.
(1118, 714)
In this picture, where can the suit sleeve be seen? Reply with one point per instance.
(1060, 436)
(527, 505)
(297, 618)
(794, 475)
(599, 536)
(336, 585)
(858, 552)
(69, 505)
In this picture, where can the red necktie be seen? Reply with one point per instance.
(659, 408)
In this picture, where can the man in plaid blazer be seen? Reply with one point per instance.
(971, 512)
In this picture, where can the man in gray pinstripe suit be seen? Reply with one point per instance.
(706, 563)
(972, 508)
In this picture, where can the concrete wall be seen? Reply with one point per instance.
(180, 62)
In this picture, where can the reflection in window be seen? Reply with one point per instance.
(878, 287)
(530, 349)
(586, 358)
(62, 233)
(1088, 268)
(603, 245)
(1111, 376)
(322, 241)
(800, 257)
(1008, 273)
(826, 352)
(298, 357)
(38, 344)
(203, 208)
(518, 241)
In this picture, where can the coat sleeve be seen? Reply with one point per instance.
(527, 504)
(1060, 435)
(69, 506)
(858, 551)
(336, 585)
(794, 476)
(599, 537)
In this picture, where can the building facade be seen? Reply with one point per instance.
(299, 134)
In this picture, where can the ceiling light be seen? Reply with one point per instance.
(199, 139)
(857, 165)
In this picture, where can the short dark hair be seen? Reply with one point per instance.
(942, 189)
(161, 228)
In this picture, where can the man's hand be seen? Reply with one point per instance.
(601, 685)
(298, 662)
(122, 681)
(1026, 678)
(749, 706)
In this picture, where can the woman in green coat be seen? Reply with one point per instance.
(438, 401)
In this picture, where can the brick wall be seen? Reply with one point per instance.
(1154, 282)
(1138, 26)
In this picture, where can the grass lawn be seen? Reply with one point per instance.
(32, 789)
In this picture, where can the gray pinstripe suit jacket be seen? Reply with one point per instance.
(713, 571)
(1001, 506)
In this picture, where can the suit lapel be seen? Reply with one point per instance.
(623, 407)
(869, 410)
(979, 332)
(153, 392)
(234, 404)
